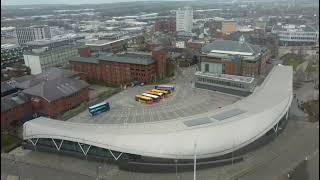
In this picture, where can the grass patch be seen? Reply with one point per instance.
(8, 142)
(312, 108)
(293, 60)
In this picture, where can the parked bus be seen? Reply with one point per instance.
(161, 95)
(161, 91)
(154, 97)
(99, 108)
(165, 87)
(144, 99)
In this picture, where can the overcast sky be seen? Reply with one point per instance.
(25, 2)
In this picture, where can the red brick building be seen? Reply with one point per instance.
(47, 94)
(84, 52)
(234, 58)
(123, 68)
(165, 25)
(160, 55)
(197, 45)
(52, 97)
(13, 108)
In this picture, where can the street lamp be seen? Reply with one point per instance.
(98, 169)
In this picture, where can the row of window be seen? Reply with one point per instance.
(214, 81)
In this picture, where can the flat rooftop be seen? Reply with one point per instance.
(101, 42)
(122, 58)
(229, 77)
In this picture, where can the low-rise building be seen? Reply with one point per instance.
(231, 84)
(290, 34)
(112, 46)
(231, 66)
(15, 108)
(115, 70)
(123, 68)
(234, 58)
(46, 94)
(228, 27)
(165, 25)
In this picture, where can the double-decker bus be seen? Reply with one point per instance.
(99, 108)
(155, 98)
(161, 95)
(161, 91)
(169, 88)
(144, 99)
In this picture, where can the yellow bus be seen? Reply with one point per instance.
(160, 91)
(144, 99)
(161, 95)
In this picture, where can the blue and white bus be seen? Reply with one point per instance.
(99, 108)
(165, 87)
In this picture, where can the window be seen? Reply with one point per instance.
(206, 68)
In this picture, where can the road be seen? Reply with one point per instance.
(288, 158)
(34, 172)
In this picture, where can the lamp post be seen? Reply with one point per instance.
(98, 169)
(195, 162)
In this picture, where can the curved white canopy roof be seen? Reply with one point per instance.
(215, 133)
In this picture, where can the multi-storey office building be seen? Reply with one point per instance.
(43, 58)
(184, 19)
(290, 34)
(27, 34)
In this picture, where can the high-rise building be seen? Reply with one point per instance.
(184, 19)
(27, 34)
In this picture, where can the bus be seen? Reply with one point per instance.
(99, 108)
(161, 91)
(144, 99)
(154, 97)
(161, 95)
(165, 87)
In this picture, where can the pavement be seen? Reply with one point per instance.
(185, 101)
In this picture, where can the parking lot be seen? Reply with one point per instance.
(185, 101)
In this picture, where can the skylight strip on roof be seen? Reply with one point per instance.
(228, 114)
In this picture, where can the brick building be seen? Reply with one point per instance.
(165, 25)
(123, 68)
(46, 94)
(111, 46)
(159, 54)
(196, 45)
(234, 58)
(52, 97)
(14, 107)
(115, 70)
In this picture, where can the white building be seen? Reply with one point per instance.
(27, 34)
(290, 34)
(9, 31)
(42, 58)
(184, 19)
